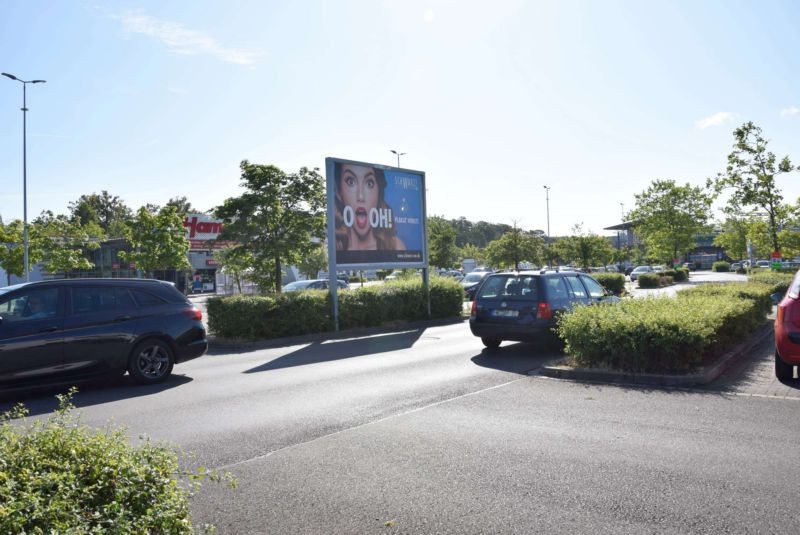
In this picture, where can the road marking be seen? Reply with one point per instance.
(410, 411)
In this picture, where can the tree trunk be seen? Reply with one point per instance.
(277, 275)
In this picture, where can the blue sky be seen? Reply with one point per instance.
(493, 100)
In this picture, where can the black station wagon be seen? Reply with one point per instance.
(522, 306)
(64, 330)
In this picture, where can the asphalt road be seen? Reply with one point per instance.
(423, 431)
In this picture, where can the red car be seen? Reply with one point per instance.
(787, 332)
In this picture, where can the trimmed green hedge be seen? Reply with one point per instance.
(613, 282)
(721, 267)
(663, 334)
(777, 280)
(59, 476)
(309, 311)
(654, 280)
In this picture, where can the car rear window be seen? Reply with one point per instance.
(520, 287)
(144, 299)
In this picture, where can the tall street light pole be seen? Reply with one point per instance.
(547, 198)
(24, 166)
(398, 155)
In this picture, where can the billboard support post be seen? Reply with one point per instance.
(333, 272)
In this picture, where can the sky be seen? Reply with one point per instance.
(492, 100)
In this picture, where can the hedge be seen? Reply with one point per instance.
(613, 282)
(777, 280)
(654, 280)
(663, 334)
(721, 267)
(309, 311)
(59, 476)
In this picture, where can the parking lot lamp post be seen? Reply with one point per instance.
(547, 199)
(24, 168)
(398, 155)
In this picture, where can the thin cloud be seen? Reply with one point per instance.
(181, 40)
(791, 110)
(719, 118)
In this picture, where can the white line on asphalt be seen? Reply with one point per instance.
(411, 411)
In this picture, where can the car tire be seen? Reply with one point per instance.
(491, 343)
(151, 362)
(783, 371)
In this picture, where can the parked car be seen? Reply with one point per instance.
(763, 263)
(52, 332)
(787, 332)
(313, 284)
(736, 266)
(638, 270)
(523, 306)
(471, 281)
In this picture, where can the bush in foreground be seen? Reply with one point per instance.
(664, 335)
(58, 476)
(777, 280)
(306, 312)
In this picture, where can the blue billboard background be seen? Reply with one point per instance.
(404, 196)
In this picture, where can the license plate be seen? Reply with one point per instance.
(506, 313)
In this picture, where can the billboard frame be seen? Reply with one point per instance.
(334, 266)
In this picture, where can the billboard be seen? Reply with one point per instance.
(376, 215)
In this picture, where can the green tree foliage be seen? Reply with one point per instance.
(235, 261)
(313, 261)
(472, 251)
(64, 243)
(513, 248)
(11, 248)
(442, 250)
(158, 241)
(478, 234)
(669, 217)
(181, 204)
(107, 211)
(583, 248)
(733, 237)
(750, 180)
(275, 219)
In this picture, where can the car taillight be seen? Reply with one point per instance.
(781, 313)
(543, 311)
(474, 310)
(194, 313)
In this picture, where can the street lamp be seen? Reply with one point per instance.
(24, 167)
(398, 155)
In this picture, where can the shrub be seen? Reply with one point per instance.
(721, 267)
(309, 311)
(663, 334)
(649, 280)
(59, 476)
(613, 282)
(778, 281)
(678, 275)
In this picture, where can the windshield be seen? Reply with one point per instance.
(473, 277)
(298, 285)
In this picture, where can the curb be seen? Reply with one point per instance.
(706, 375)
(218, 345)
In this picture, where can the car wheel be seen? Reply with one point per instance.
(491, 343)
(151, 362)
(783, 371)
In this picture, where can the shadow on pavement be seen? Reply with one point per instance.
(42, 400)
(517, 357)
(329, 350)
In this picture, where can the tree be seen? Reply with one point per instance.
(474, 252)
(442, 250)
(235, 262)
(158, 241)
(313, 261)
(750, 178)
(105, 210)
(64, 243)
(668, 217)
(12, 250)
(275, 219)
(182, 205)
(733, 237)
(513, 248)
(584, 248)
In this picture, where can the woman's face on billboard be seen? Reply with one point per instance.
(359, 189)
